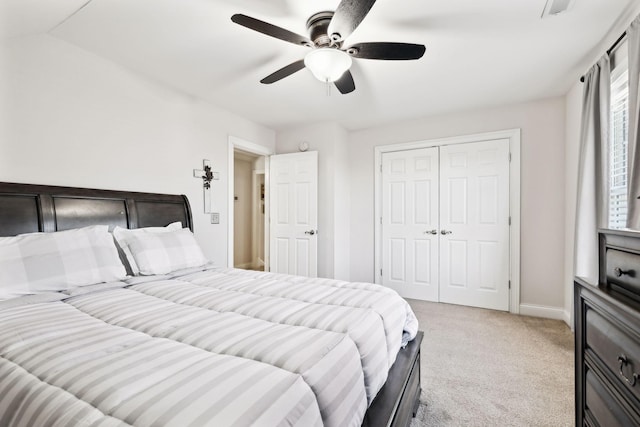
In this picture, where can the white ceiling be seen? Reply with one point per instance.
(479, 53)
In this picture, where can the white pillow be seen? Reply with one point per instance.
(40, 262)
(162, 253)
(122, 236)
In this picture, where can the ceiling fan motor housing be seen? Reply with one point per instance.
(318, 25)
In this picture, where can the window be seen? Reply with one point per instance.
(618, 158)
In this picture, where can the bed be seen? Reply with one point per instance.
(195, 344)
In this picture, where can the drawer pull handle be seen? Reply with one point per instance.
(620, 272)
(634, 378)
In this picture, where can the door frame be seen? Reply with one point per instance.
(513, 135)
(255, 216)
(260, 150)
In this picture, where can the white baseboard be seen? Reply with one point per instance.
(547, 312)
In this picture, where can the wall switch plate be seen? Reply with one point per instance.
(215, 218)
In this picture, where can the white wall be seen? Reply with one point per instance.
(542, 196)
(71, 118)
(330, 141)
(342, 208)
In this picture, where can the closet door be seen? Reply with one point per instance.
(474, 224)
(410, 222)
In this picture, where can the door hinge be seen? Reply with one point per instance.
(380, 167)
(509, 157)
(380, 220)
(380, 272)
(509, 221)
(509, 284)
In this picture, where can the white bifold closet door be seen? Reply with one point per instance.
(445, 223)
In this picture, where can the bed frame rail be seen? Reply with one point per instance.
(397, 402)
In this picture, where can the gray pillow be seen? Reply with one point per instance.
(43, 262)
(162, 253)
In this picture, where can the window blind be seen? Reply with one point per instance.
(618, 154)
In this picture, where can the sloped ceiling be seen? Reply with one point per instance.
(479, 53)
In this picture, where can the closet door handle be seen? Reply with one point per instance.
(310, 232)
(431, 232)
(445, 232)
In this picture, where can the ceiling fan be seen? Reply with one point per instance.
(328, 60)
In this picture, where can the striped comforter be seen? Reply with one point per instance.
(212, 346)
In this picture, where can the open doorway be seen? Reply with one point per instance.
(248, 210)
(260, 155)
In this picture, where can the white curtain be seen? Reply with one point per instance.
(591, 212)
(633, 204)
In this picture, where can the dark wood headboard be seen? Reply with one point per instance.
(26, 208)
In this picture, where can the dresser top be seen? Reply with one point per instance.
(620, 232)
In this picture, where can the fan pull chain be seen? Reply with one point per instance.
(328, 88)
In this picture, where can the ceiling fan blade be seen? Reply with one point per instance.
(283, 72)
(348, 16)
(386, 50)
(345, 84)
(270, 30)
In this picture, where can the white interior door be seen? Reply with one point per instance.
(294, 213)
(410, 222)
(474, 224)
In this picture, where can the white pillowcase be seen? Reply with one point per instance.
(123, 236)
(41, 262)
(162, 253)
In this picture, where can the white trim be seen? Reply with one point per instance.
(514, 231)
(255, 216)
(556, 313)
(238, 143)
(251, 147)
(514, 198)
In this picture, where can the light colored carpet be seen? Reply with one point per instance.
(489, 368)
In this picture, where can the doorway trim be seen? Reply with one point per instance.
(260, 150)
(255, 218)
(513, 135)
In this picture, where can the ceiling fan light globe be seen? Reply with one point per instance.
(327, 64)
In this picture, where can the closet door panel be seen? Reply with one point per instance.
(410, 222)
(474, 213)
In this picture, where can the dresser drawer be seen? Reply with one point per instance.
(601, 406)
(619, 351)
(622, 270)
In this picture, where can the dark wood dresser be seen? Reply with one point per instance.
(607, 326)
